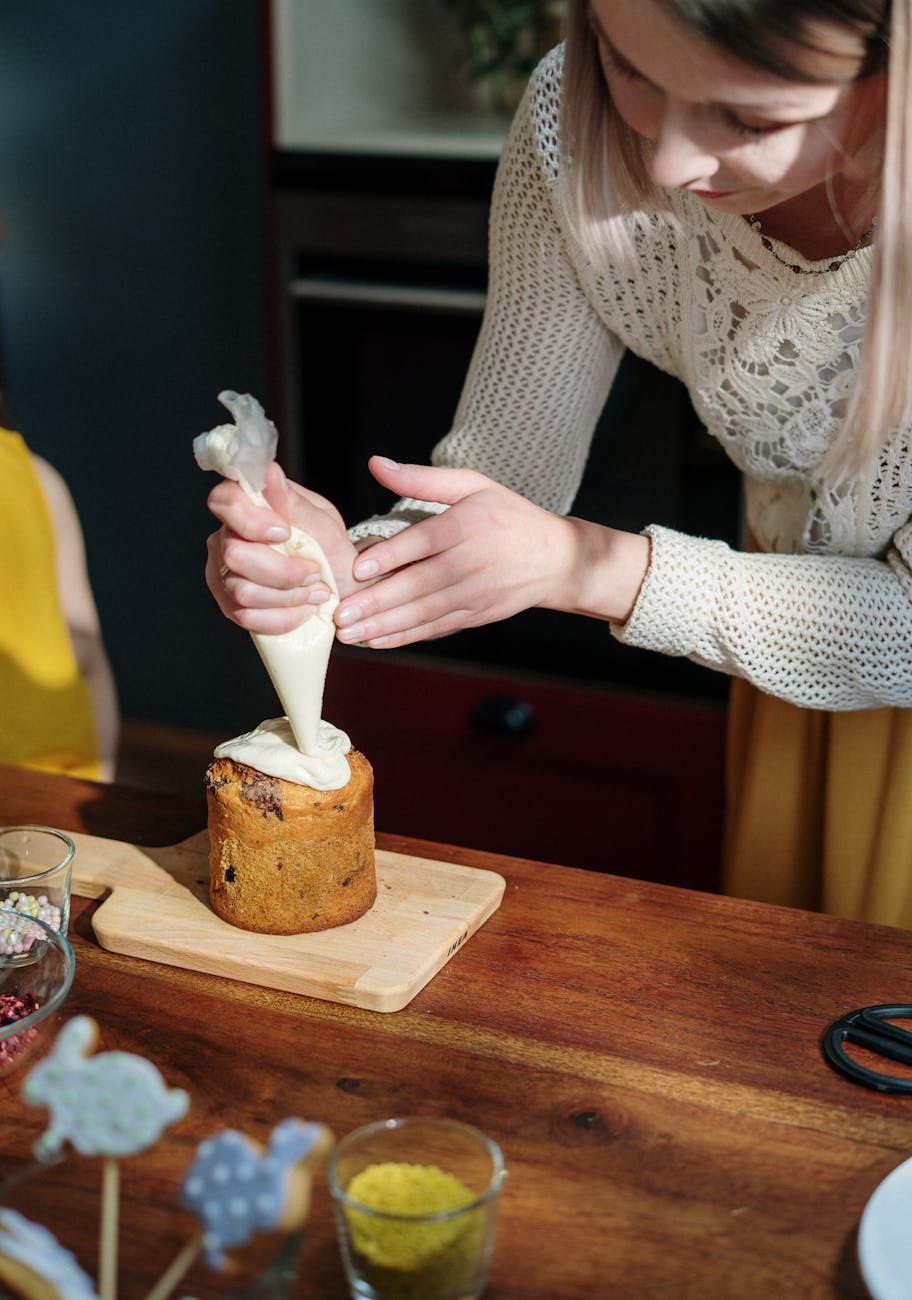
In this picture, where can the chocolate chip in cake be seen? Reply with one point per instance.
(229, 875)
(264, 792)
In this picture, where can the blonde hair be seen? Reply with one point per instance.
(606, 181)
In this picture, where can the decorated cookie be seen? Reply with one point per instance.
(237, 1189)
(34, 1264)
(112, 1104)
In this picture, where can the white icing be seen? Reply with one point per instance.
(300, 747)
(271, 748)
(37, 1249)
(297, 660)
(216, 450)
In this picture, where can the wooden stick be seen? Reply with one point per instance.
(107, 1259)
(178, 1267)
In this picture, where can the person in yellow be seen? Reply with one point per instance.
(58, 705)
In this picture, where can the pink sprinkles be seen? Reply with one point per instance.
(13, 1008)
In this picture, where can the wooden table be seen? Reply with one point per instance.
(648, 1058)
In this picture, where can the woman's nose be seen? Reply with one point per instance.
(677, 156)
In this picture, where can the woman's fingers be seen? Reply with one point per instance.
(491, 554)
(316, 517)
(482, 559)
(426, 482)
(261, 566)
(427, 599)
(251, 596)
(422, 540)
(423, 483)
(254, 565)
(261, 589)
(416, 630)
(231, 506)
(271, 622)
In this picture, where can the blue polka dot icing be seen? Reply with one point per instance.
(236, 1189)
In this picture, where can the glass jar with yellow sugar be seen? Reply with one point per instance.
(415, 1203)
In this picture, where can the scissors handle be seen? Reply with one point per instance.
(869, 1028)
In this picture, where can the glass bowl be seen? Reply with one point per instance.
(36, 864)
(35, 981)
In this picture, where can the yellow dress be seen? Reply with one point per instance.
(819, 808)
(46, 715)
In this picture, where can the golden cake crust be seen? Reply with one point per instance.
(285, 858)
(24, 1282)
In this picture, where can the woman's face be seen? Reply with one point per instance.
(740, 138)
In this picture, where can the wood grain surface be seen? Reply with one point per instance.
(648, 1059)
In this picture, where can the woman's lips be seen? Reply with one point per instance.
(713, 194)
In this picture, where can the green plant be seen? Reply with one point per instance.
(504, 39)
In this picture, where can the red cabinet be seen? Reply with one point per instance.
(604, 780)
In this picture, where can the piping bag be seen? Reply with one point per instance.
(296, 661)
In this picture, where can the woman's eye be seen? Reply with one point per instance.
(750, 128)
(612, 62)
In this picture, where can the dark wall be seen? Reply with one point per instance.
(131, 292)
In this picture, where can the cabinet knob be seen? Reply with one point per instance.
(504, 715)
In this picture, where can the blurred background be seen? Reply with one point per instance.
(290, 198)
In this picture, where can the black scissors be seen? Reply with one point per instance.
(870, 1028)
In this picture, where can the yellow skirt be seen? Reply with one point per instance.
(819, 808)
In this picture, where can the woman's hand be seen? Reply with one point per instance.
(258, 587)
(492, 554)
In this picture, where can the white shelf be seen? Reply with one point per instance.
(404, 142)
(376, 76)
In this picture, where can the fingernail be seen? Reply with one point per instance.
(389, 464)
(353, 633)
(317, 597)
(366, 568)
(277, 534)
(348, 615)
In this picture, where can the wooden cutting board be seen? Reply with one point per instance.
(158, 908)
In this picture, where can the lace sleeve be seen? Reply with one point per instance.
(544, 360)
(819, 631)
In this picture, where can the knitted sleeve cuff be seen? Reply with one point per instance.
(823, 632)
(403, 514)
(677, 608)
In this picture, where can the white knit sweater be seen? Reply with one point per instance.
(823, 618)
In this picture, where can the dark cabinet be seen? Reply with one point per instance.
(590, 778)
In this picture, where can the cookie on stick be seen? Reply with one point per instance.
(239, 1189)
(110, 1104)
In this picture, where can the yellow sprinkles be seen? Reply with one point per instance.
(406, 1255)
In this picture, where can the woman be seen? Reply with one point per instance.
(724, 188)
(59, 708)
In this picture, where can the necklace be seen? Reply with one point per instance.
(863, 241)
